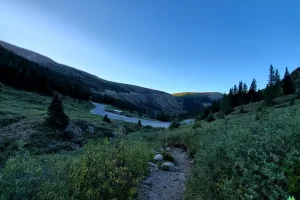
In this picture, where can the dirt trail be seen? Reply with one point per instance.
(167, 185)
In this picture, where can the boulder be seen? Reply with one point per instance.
(91, 129)
(151, 164)
(168, 166)
(73, 132)
(168, 149)
(158, 157)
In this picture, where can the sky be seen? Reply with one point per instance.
(168, 45)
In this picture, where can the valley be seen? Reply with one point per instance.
(57, 140)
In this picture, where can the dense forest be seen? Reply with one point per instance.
(241, 95)
(21, 73)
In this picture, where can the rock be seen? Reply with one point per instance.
(91, 129)
(168, 166)
(151, 164)
(73, 132)
(158, 157)
(168, 149)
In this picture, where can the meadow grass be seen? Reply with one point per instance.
(251, 155)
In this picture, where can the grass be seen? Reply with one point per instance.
(249, 155)
(22, 115)
(241, 157)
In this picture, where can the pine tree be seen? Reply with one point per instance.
(226, 105)
(106, 119)
(210, 117)
(235, 89)
(56, 116)
(139, 123)
(253, 86)
(287, 83)
(240, 87)
(277, 77)
(271, 76)
(245, 88)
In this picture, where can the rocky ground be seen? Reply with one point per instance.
(169, 184)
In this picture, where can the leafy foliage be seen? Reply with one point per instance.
(102, 171)
(174, 124)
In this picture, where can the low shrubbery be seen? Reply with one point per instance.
(101, 171)
(245, 159)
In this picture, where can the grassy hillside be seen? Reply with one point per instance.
(249, 155)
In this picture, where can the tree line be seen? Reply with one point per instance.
(240, 94)
(21, 73)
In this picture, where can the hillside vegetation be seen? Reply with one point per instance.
(70, 81)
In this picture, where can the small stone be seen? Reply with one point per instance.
(168, 166)
(158, 157)
(151, 164)
(168, 149)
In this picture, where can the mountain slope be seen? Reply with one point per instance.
(194, 102)
(145, 98)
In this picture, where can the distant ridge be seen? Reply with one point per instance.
(148, 99)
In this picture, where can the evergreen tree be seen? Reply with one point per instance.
(253, 86)
(56, 116)
(139, 123)
(271, 81)
(287, 83)
(235, 90)
(252, 94)
(210, 117)
(106, 119)
(277, 77)
(226, 105)
(240, 87)
(245, 88)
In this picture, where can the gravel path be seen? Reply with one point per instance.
(166, 185)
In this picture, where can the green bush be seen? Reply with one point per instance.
(246, 159)
(101, 171)
(174, 124)
(197, 125)
(210, 117)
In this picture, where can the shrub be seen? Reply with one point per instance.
(210, 117)
(140, 124)
(292, 102)
(56, 115)
(106, 119)
(197, 125)
(221, 115)
(174, 124)
(244, 159)
(242, 110)
(101, 171)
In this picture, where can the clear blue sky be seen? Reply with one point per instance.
(170, 45)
